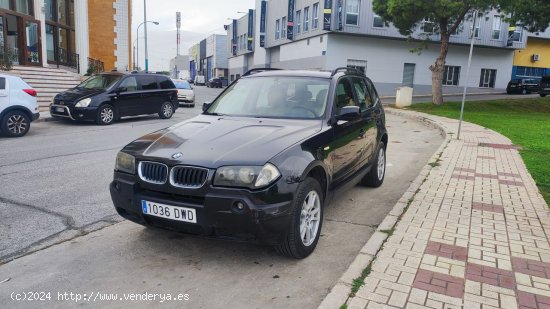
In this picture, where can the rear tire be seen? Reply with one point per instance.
(542, 95)
(306, 221)
(375, 177)
(15, 124)
(106, 115)
(166, 110)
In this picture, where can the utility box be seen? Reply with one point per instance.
(404, 96)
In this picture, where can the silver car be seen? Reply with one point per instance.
(186, 94)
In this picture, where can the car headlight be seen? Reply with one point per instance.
(83, 102)
(125, 163)
(252, 177)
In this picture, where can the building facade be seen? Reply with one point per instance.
(325, 34)
(209, 57)
(179, 67)
(534, 61)
(66, 32)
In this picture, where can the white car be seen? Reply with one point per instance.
(18, 106)
(186, 94)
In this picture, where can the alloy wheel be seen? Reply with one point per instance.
(167, 110)
(17, 124)
(381, 164)
(107, 115)
(310, 218)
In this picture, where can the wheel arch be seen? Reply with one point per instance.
(17, 108)
(318, 171)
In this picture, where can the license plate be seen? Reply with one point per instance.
(60, 109)
(169, 212)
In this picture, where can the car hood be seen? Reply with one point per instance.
(74, 94)
(212, 142)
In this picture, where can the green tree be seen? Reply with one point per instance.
(447, 15)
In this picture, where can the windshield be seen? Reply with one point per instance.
(274, 97)
(101, 81)
(182, 85)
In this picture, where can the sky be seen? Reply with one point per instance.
(199, 18)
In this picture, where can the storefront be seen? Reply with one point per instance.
(19, 32)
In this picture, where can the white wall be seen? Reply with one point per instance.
(386, 58)
(121, 40)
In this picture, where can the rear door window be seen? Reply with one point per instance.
(363, 94)
(148, 83)
(166, 83)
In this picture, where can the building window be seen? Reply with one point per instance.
(377, 21)
(517, 36)
(428, 26)
(306, 18)
(60, 37)
(451, 75)
(477, 28)
(20, 6)
(497, 24)
(360, 65)
(529, 72)
(298, 19)
(315, 22)
(487, 78)
(277, 29)
(284, 27)
(352, 12)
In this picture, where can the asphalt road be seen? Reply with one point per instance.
(53, 188)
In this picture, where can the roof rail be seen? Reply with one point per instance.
(251, 71)
(346, 69)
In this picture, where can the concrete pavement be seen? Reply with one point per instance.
(127, 258)
(473, 232)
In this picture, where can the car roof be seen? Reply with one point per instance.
(296, 73)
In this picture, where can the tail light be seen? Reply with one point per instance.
(30, 92)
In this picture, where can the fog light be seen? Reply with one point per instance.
(240, 206)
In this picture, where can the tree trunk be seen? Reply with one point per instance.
(438, 69)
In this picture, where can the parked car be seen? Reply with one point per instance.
(18, 106)
(523, 86)
(544, 87)
(262, 160)
(106, 97)
(214, 83)
(186, 94)
(200, 80)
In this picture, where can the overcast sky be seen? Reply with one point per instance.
(199, 18)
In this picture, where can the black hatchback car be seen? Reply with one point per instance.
(261, 162)
(106, 97)
(214, 83)
(523, 86)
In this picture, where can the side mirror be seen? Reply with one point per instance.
(121, 89)
(205, 106)
(348, 113)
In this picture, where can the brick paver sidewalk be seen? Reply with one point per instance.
(475, 234)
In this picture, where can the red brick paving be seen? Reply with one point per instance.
(463, 177)
(486, 176)
(462, 169)
(490, 275)
(447, 251)
(439, 283)
(488, 207)
(499, 146)
(532, 301)
(511, 182)
(531, 267)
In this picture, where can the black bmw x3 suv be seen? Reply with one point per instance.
(106, 97)
(262, 160)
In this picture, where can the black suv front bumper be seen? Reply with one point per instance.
(216, 210)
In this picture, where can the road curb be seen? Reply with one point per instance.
(427, 95)
(338, 295)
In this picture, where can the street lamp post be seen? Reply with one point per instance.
(145, 22)
(137, 38)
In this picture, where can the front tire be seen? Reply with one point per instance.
(106, 115)
(542, 95)
(375, 176)
(306, 221)
(15, 124)
(166, 111)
